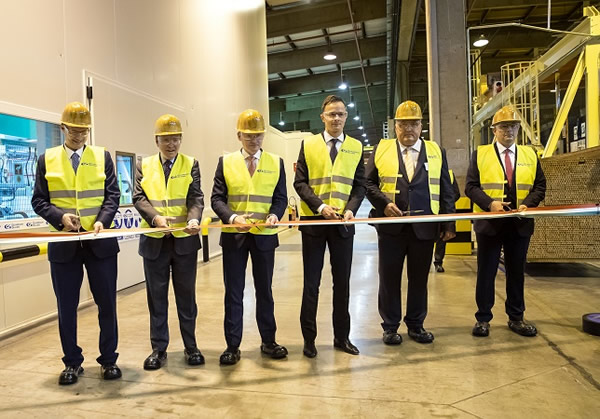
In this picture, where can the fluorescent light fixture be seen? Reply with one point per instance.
(481, 41)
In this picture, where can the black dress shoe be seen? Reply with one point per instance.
(230, 357)
(274, 350)
(110, 371)
(193, 356)
(346, 346)
(310, 350)
(522, 328)
(420, 335)
(69, 375)
(439, 268)
(481, 329)
(391, 338)
(156, 360)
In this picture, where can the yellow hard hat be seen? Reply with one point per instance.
(167, 125)
(251, 122)
(506, 114)
(408, 110)
(76, 115)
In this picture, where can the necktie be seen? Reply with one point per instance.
(508, 166)
(409, 163)
(167, 169)
(75, 161)
(333, 150)
(251, 165)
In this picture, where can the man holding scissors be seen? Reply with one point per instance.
(408, 175)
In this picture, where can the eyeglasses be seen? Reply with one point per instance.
(333, 115)
(169, 140)
(408, 124)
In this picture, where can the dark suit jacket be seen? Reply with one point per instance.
(150, 246)
(524, 226)
(413, 195)
(63, 252)
(218, 201)
(357, 194)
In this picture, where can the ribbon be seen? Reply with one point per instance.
(552, 211)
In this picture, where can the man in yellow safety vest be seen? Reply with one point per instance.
(408, 174)
(249, 187)
(76, 190)
(330, 182)
(503, 176)
(168, 194)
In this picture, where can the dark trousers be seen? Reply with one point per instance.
(158, 273)
(66, 280)
(313, 254)
(392, 252)
(235, 261)
(440, 252)
(488, 258)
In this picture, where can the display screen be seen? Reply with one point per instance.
(22, 140)
(125, 176)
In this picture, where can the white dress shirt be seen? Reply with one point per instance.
(501, 149)
(414, 150)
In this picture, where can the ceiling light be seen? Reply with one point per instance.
(361, 125)
(343, 85)
(364, 134)
(329, 55)
(351, 103)
(281, 123)
(481, 41)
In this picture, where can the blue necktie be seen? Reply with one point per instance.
(167, 169)
(75, 161)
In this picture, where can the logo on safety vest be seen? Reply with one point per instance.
(178, 176)
(265, 171)
(83, 163)
(343, 150)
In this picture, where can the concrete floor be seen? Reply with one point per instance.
(556, 374)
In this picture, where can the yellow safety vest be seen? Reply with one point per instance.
(168, 200)
(388, 167)
(491, 173)
(251, 194)
(81, 193)
(332, 183)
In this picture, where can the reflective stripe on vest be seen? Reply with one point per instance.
(332, 183)
(169, 200)
(81, 193)
(491, 173)
(251, 194)
(388, 166)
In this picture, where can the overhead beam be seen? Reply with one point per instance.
(313, 57)
(326, 81)
(504, 39)
(317, 15)
(510, 4)
(298, 103)
(408, 22)
(314, 113)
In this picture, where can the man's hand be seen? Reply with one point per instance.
(522, 207)
(391, 210)
(193, 228)
(98, 227)
(330, 213)
(498, 206)
(163, 222)
(348, 215)
(447, 235)
(242, 220)
(71, 222)
(272, 220)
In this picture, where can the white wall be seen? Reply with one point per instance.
(206, 57)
